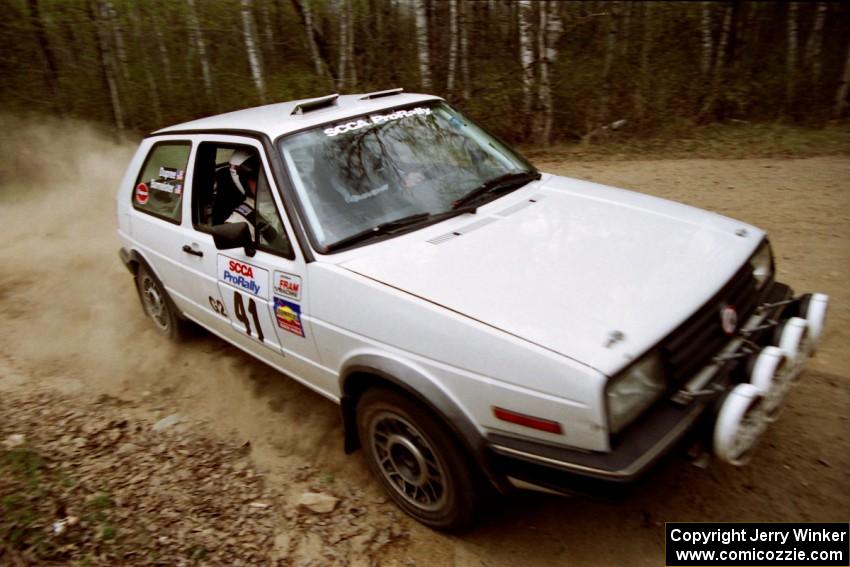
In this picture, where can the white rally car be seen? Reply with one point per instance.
(478, 322)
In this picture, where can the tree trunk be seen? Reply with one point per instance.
(453, 41)
(347, 75)
(99, 17)
(249, 34)
(643, 82)
(153, 88)
(422, 44)
(791, 55)
(550, 32)
(719, 66)
(349, 46)
(266, 24)
(319, 55)
(707, 43)
(814, 45)
(526, 53)
(198, 39)
(342, 66)
(607, 66)
(51, 76)
(464, 50)
(841, 93)
(118, 40)
(164, 56)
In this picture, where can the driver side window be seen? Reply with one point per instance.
(218, 199)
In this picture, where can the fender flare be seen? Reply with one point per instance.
(372, 369)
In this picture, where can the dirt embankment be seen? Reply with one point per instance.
(73, 329)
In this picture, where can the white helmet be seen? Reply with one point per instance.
(244, 165)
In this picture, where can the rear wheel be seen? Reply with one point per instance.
(417, 460)
(157, 304)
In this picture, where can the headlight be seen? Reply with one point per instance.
(634, 390)
(762, 263)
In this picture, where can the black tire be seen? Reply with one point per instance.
(157, 305)
(417, 460)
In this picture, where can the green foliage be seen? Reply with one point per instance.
(149, 52)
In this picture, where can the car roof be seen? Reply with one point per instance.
(285, 117)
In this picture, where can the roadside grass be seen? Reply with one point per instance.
(36, 497)
(683, 140)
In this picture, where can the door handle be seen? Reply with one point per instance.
(189, 250)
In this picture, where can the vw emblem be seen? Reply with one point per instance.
(728, 319)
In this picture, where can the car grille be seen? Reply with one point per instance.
(693, 344)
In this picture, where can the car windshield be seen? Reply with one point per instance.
(411, 163)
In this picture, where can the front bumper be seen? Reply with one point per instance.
(688, 414)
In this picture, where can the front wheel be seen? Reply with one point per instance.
(417, 460)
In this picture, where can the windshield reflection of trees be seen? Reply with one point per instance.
(385, 154)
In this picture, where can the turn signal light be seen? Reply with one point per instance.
(546, 425)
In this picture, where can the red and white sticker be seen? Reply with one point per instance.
(141, 193)
(287, 285)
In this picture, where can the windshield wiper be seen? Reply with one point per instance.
(506, 182)
(383, 228)
(397, 225)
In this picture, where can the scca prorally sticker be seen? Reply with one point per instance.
(142, 193)
(244, 276)
(288, 316)
(287, 285)
(373, 120)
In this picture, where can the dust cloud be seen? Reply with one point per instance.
(72, 319)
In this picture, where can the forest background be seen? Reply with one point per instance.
(534, 72)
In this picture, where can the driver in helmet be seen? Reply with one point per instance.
(244, 170)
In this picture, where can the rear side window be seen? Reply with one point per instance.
(159, 188)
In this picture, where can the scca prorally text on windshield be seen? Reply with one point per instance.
(373, 120)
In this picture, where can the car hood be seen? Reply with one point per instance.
(567, 264)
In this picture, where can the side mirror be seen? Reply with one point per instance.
(233, 235)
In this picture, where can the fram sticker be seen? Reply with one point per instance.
(287, 285)
(243, 276)
(141, 193)
(288, 316)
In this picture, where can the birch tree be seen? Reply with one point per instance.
(422, 44)
(249, 34)
(319, 59)
(608, 64)
(549, 32)
(349, 46)
(841, 93)
(346, 72)
(814, 45)
(117, 39)
(791, 54)
(719, 67)
(161, 45)
(100, 17)
(51, 74)
(150, 81)
(707, 44)
(464, 49)
(644, 81)
(197, 38)
(526, 53)
(453, 46)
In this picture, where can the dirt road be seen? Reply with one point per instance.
(72, 324)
